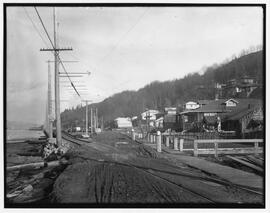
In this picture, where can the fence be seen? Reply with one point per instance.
(194, 139)
(243, 150)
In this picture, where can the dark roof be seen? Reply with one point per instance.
(203, 102)
(218, 107)
(243, 108)
(212, 106)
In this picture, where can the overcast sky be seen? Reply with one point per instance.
(123, 48)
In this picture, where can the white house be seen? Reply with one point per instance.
(151, 114)
(123, 122)
(192, 105)
(231, 103)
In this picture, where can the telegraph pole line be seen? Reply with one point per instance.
(86, 117)
(56, 51)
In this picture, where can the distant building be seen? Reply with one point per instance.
(149, 114)
(240, 88)
(191, 105)
(159, 121)
(123, 122)
(170, 110)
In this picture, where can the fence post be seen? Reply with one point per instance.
(133, 134)
(181, 143)
(256, 148)
(216, 149)
(148, 137)
(167, 141)
(158, 141)
(195, 151)
(175, 143)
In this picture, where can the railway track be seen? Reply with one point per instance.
(70, 138)
(151, 171)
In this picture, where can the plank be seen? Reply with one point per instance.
(226, 151)
(245, 163)
(230, 141)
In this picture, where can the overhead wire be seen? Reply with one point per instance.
(35, 27)
(43, 25)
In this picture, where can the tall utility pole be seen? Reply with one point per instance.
(50, 119)
(96, 118)
(86, 116)
(56, 51)
(91, 121)
(57, 88)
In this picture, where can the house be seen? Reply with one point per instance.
(235, 115)
(247, 117)
(241, 88)
(149, 114)
(123, 122)
(170, 110)
(191, 105)
(207, 112)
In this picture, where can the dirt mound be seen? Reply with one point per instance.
(100, 182)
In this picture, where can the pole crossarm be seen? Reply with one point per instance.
(72, 76)
(82, 73)
(56, 49)
(63, 61)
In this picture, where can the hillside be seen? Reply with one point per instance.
(158, 95)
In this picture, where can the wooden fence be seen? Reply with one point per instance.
(178, 140)
(243, 150)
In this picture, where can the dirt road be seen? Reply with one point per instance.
(114, 169)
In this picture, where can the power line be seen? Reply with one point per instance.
(54, 49)
(124, 35)
(44, 28)
(35, 27)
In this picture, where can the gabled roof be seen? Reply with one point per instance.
(203, 102)
(231, 99)
(218, 106)
(244, 107)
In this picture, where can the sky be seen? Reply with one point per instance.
(123, 48)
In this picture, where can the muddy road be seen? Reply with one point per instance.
(114, 169)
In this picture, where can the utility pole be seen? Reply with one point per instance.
(102, 125)
(91, 120)
(56, 51)
(96, 118)
(86, 116)
(50, 119)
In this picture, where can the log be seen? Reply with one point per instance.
(255, 160)
(245, 163)
(37, 165)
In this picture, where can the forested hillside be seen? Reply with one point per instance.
(158, 95)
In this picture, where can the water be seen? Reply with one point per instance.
(22, 134)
